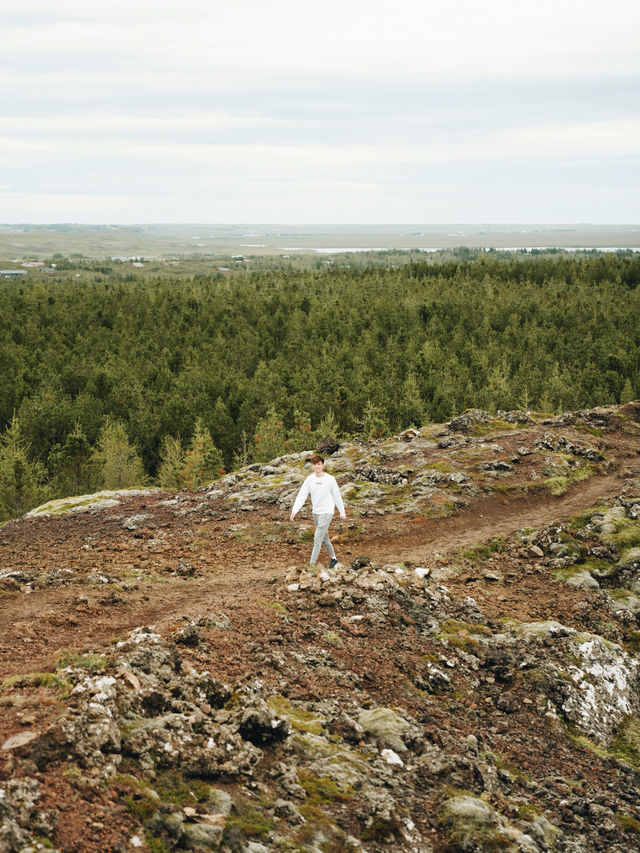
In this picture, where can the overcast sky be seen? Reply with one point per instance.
(343, 111)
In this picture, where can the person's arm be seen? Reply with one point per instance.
(300, 499)
(337, 498)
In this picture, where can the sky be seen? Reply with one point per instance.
(345, 111)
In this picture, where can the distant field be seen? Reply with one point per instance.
(160, 241)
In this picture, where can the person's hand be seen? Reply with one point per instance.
(292, 516)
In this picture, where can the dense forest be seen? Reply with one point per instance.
(111, 380)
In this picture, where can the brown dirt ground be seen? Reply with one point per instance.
(242, 579)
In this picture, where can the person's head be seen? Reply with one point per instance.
(317, 463)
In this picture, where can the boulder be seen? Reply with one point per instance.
(467, 420)
(385, 724)
(327, 446)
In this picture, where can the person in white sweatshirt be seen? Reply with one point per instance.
(325, 497)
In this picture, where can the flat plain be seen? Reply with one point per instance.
(38, 242)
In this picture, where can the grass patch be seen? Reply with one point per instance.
(49, 680)
(92, 663)
(506, 488)
(627, 535)
(260, 533)
(559, 484)
(596, 432)
(564, 575)
(155, 845)
(246, 819)
(442, 466)
(598, 568)
(462, 635)
(274, 605)
(144, 797)
(493, 426)
(501, 763)
(483, 552)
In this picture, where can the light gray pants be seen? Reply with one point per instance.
(321, 536)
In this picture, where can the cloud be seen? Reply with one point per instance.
(457, 39)
(378, 101)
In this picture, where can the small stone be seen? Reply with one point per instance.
(19, 740)
(392, 758)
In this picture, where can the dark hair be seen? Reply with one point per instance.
(316, 458)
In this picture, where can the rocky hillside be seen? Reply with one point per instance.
(174, 677)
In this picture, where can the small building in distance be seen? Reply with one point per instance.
(12, 273)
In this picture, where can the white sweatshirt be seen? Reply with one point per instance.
(325, 495)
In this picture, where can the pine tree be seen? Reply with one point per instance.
(242, 456)
(301, 437)
(118, 463)
(626, 393)
(172, 462)
(270, 437)
(411, 408)
(70, 464)
(372, 422)
(203, 462)
(21, 486)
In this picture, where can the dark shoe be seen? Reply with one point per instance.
(332, 563)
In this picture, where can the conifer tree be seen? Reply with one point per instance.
(242, 456)
(118, 463)
(301, 437)
(270, 437)
(626, 393)
(327, 429)
(172, 462)
(411, 408)
(372, 422)
(70, 464)
(203, 462)
(21, 486)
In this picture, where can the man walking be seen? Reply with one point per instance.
(325, 497)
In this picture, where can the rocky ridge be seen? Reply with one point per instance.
(418, 697)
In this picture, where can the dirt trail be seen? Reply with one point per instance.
(496, 515)
(233, 576)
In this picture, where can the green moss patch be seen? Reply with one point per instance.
(303, 721)
(626, 743)
(322, 790)
(580, 521)
(462, 635)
